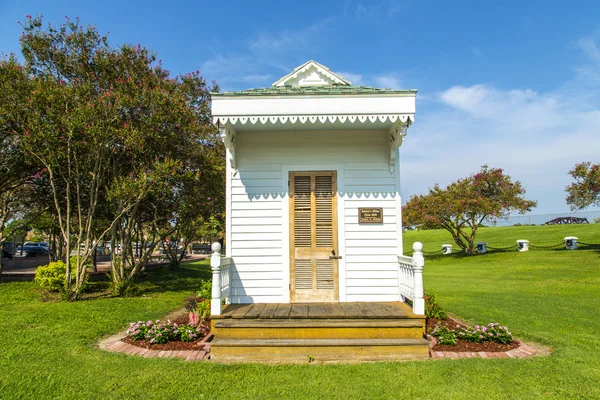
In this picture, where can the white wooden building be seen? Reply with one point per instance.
(314, 260)
(313, 188)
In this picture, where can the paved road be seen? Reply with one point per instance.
(30, 265)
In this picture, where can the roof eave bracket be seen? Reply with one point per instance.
(397, 134)
(227, 134)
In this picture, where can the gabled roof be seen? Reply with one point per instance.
(311, 73)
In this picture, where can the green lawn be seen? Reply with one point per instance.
(550, 297)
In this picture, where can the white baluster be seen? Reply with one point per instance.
(215, 265)
(418, 263)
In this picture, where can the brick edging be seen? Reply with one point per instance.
(114, 344)
(523, 351)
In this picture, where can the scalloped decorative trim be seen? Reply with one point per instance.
(311, 119)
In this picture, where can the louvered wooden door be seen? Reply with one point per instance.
(313, 237)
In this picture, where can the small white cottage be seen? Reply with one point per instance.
(313, 195)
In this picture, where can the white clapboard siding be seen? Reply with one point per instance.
(370, 234)
(264, 283)
(256, 221)
(256, 211)
(257, 192)
(369, 228)
(256, 206)
(372, 297)
(266, 171)
(381, 172)
(371, 251)
(256, 182)
(374, 266)
(254, 291)
(365, 166)
(387, 181)
(245, 266)
(254, 275)
(255, 252)
(333, 158)
(254, 229)
(376, 289)
(372, 243)
(244, 198)
(243, 299)
(264, 236)
(384, 203)
(375, 281)
(241, 260)
(372, 258)
(364, 274)
(259, 244)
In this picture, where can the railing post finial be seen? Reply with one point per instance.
(215, 265)
(418, 263)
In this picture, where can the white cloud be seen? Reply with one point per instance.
(265, 58)
(589, 48)
(536, 137)
(390, 81)
(371, 11)
(356, 79)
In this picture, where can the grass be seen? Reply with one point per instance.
(550, 297)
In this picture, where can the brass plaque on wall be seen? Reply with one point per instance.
(370, 215)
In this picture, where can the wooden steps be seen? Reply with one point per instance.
(342, 332)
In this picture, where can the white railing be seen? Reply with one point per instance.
(410, 278)
(221, 278)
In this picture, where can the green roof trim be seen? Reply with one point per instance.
(315, 91)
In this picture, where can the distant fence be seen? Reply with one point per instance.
(541, 219)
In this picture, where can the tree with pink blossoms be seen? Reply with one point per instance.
(585, 191)
(462, 206)
(116, 137)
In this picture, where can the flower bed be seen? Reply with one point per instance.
(176, 334)
(457, 337)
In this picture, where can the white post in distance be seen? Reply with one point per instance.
(522, 245)
(571, 242)
(418, 263)
(215, 265)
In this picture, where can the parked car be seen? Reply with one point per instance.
(7, 254)
(32, 251)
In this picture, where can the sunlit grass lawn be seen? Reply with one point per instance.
(550, 297)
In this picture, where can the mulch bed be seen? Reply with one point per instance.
(463, 345)
(198, 344)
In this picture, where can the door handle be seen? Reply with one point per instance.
(334, 257)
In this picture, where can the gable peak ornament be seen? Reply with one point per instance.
(311, 73)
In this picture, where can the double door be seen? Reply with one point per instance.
(313, 237)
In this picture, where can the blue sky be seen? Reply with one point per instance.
(511, 84)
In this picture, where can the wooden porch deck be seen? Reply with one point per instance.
(338, 332)
(384, 310)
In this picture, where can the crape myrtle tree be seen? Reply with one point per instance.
(585, 191)
(201, 205)
(463, 205)
(110, 128)
(15, 173)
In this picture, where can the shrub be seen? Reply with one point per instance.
(493, 332)
(205, 290)
(445, 335)
(432, 308)
(157, 333)
(200, 303)
(52, 276)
